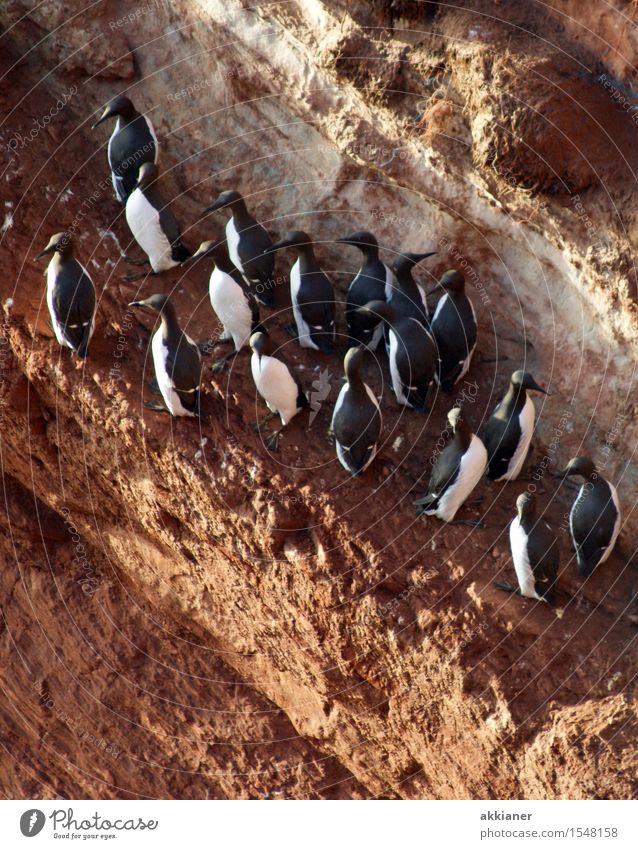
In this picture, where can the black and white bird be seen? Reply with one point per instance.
(313, 300)
(234, 306)
(153, 225)
(457, 470)
(356, 420)
(535, 553)
(411, 352)
(595, 518)
(373, 282)
(407, 297)
(508, 433)
(70, 295)
(276, 384)
(248, 242)
(454, 328)
(132, 143)
(176, 359)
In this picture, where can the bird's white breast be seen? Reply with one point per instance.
(164, 381)
(143, 220)
(232, 241)
(526, 424)
(276, 386)
(471, 470)
(231, 307)
(520, 556)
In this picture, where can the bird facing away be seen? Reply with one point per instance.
(356, 421)
(132, 143)
(457, 470)
(412, 355)
(313, 301)
(407, 297)
(234, 305)
(508, 433)
(276, 384)
(535, 553)
(595, 518)
(248, 241)
(153, 225)
(70, 295)
(176, 359)
(374, 281)
(454, 328)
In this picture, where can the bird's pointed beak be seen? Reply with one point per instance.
(41, 255)
(536, 388)
(435, 288)
(213, 207)
(277, 246)
(104, 117)
(137, 304)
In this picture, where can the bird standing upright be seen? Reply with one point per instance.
(132, 143)
(153, 225)
(70, 295)
(411, 353)
(457, 470)
(509, 430)
(454, 328)
(595, 519)
(534, 551)
(356, 420)
(234, 305)
(176, 359)
(275, 383)
(248, 242)
(373, 282)
(313, 300)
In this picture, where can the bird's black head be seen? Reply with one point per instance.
(353, 362)
(60, 243)
(296, 239)
(582, 466)
(260, 343)
(404, 263)
(120, 105)
(451, 281)
(157, 303)
(226, 199)
(524, 380)
(365, 241)
(525, 505)
(379, 310)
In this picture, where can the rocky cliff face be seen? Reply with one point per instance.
(186, 614)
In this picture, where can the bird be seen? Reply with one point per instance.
(356, 420)
(176, 359)
(234, 305)
(595, 519)
(70, 295)
(373, 282)
(411, 352)
(275, 383)
(248, 242)
(508, 432)
(153, 225)
(313, 301)
(132, 143)
(457, 470)
(534, 551)
(407, 297)
(454, 328)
